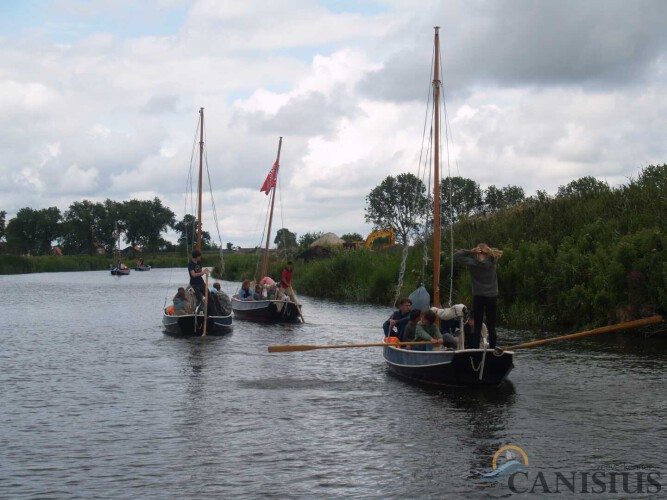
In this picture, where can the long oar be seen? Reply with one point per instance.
(311, 347)
(604, 329)
(298, 307)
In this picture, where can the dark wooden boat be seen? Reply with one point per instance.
(198, 323)
(119, 269)
(455, 368)
(460, 367)
(266, 310)
(192, 325)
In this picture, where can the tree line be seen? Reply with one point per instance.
(86, 227)
(404, 203)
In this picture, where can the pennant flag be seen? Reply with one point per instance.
(270, 181)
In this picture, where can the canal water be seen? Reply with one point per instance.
(97, 402)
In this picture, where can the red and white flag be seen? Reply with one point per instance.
(270, 181)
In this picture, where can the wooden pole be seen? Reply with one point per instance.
(311, 347)
(436, 172)
(604, 329)
(199, 186)
(205, 308)
(265, 260)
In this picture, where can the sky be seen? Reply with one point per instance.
(100, 99)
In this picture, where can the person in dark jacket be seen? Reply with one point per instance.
(398, 319)
(481, 261)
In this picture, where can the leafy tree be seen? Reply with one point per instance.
(352, 237)
(146, 221)
(308, 238)
(500, 198)
(285, 239)
(82, 227)
(32, 232)
(586, 186)
(460, 197)
(398, 202)
(230, 245)
(3, 214)
(187, 230)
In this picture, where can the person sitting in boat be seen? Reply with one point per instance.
(426, 331)
(258, 292)
(225, 304)
(245, 293)
(398, 319)
(181, 304)
(411, 326)
(268, 287)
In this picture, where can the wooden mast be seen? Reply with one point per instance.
(199, 188)
(274, 181)
(436, 172)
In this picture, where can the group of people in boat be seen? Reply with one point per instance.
(219, 303)
(268, 289)
(417, 323)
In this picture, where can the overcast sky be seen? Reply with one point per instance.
(99, 99)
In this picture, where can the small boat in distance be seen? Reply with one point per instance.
(268, 309)
(119, 269)
(459, 367)
(194, 322)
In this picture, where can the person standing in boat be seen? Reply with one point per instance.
(398, 319)
(196, 272)
(286, 282)
(481, 261)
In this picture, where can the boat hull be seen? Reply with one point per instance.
(468, 367)
(266, 311)
(142, 268)
(191, 325)
(119, 272)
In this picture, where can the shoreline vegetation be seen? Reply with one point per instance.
(590, 256)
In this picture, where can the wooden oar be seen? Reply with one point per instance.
(298, 307)
(311, 347)
(205, 307)
(604, 329)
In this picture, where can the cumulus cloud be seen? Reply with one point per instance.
(96, 105)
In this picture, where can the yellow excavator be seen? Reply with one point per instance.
(378, 233)
(381, 233)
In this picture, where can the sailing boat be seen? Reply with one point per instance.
(199, 322)
(268, 309)
(119, 269)
(460, 367)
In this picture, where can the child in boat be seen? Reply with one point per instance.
(427, 330)
(181, 304)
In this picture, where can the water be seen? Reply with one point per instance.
(97, 402)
